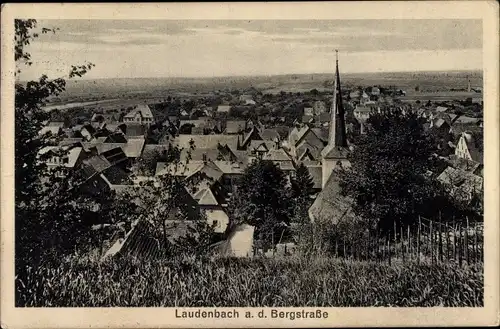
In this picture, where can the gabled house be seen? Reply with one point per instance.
(85, 131)
(103, 172)
(69, 155)
(299, 137)
(104, 117)
(141, 114)
(54, 128)
(245, 138)
(468, 148)
(280, 158)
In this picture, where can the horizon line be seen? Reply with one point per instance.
(275, 75)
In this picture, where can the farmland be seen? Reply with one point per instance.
(293, 281)
(129, 92)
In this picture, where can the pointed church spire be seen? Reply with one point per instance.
(337, 134)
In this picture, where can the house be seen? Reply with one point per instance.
(246, 98)
(245, 138)
(133, 130)
(54, 128)
(308, 111)
(206, 141)
(461, 184)
(467, 120)
(208, 190)
(210, 195)
(375, 91)
(280, 158)
(319, 107)
(223, 108)
(307, 119)
(441, 109)
(104, 117)
(308, 152)
(234, 127)
(425, 113)
(440, 124)
(355, 94)
(131, 149)
(323, 119)
(468, 148)
(140, 114)
(362, 113)
(68, 155)
(261, 147)
(298, 137)
(239, 243)
(269, 134)
(104, 172)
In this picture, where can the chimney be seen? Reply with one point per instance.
(204, 158)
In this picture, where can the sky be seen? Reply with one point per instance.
(196, 48)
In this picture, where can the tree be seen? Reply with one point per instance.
(261, 199)
(389, 178)
(146, 163)
(48, 209)
(302, 184)
(301, 191)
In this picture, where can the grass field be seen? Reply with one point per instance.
(295, 281)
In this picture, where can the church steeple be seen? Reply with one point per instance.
(337, 134)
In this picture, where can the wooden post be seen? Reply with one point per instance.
(409, 243)
(395, 242)
(367, 245)
(466, 241)
(402, 242)
(376, 245)
(336, 249)
(383, 249)
(460, 251)
(345, 254)
(418, 238)
(389, 249)
(440, 242)
(431, 243)
(455, 251)
(447, 241)
(476, 258)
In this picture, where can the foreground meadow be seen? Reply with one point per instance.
(295, 281)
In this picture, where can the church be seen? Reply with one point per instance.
(335, 152)
(330, 205)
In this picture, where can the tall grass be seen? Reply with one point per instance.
(189, 282)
